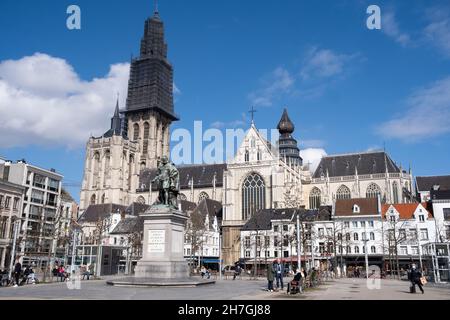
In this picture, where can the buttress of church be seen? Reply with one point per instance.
(139, 135)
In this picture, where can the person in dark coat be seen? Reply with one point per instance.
(270, 277)
(279, 270)
(17, 273)
(414, 278)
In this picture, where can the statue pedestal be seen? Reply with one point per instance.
(162, 263)
(162, 255)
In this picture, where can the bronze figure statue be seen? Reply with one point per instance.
(168, 180)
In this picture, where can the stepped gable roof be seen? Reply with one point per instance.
(365, 163)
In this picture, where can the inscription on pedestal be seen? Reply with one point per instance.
(156, 241)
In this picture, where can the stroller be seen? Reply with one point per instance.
(294, 287)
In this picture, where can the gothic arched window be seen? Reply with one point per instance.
(343, 193)
(314, 198)
(247, 156)
(202, 196)
(253, 195)
(93, 199)
(136, 132)
(395, 192)
(373, 191)
(146, 136)
(96, 169)
(103, 198)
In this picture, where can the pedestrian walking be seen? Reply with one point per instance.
(17, 273)
(62, 273)
(415, 277)
(279, 274)
(270, 277)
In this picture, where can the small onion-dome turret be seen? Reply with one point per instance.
(285, 126)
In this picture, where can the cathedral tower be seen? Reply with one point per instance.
(150, 109)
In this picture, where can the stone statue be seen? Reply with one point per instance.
(168, 180)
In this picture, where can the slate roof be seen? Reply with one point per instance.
(203, 176)
(187, 205)
(100, 211)
(427, 183)
(129, 225)
(136, 209)
(262, 220)
(367, 206)
(440, 195)
(211, 208)
(366, 163)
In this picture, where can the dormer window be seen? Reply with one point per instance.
(421, 218)
(356, 209)
(392, 218)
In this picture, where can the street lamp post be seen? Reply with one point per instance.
(13, 253)
(365, 251)
(298, 243)
(74, 247)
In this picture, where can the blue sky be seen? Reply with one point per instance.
(347, 88)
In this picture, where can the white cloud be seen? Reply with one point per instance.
(313, 157)
(428, 115)
(44, 102)
(176, 90)
(390, 27)
(438, 29)
(278, 82)
(324, 63)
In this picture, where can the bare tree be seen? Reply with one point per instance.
(195, 230)
(396, 235)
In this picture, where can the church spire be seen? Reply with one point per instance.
(287, 145)
(116, 122)
(285, 126)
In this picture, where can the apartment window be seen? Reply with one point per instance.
(392, 218)
(446, 214)
(267, 254)
(347, 236)
(286, 254)
(247, 241)
(363, 236)
(373, 249)
(403, 250)
(356, 249)
(340, 249)
(321, 232)
(266, 241)
(421, 218)
(372, 236)
(37, 196)
(321, 247)
(16, 203)
(402, 234)
(7, 202)
(329, 231)
(349, 249)
(286, 241)
(247, 254)
(371, 224)
(275, 254)
(363, 224)
(275, 241)
(285, 227)
(364, 249)
(355, 224)
(1, 201)
(39, 181)
(339, 236)
(346, 224)
(53, 185)
(355, 236)
(423, 234)
(415, 251)
(275, 228)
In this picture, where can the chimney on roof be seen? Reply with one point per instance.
(52, 170)
(21, 161)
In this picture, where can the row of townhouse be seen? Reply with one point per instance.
(36, 212)
(390, 236)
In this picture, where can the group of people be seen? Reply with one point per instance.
(62, 275)
(205, 273)
(20, 276)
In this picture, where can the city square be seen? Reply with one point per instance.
(172, 175)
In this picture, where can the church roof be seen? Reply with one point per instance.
(427, 183)
(96, 212)
(263, 219)
(187, 205)
(203, 176)
(365, 163)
